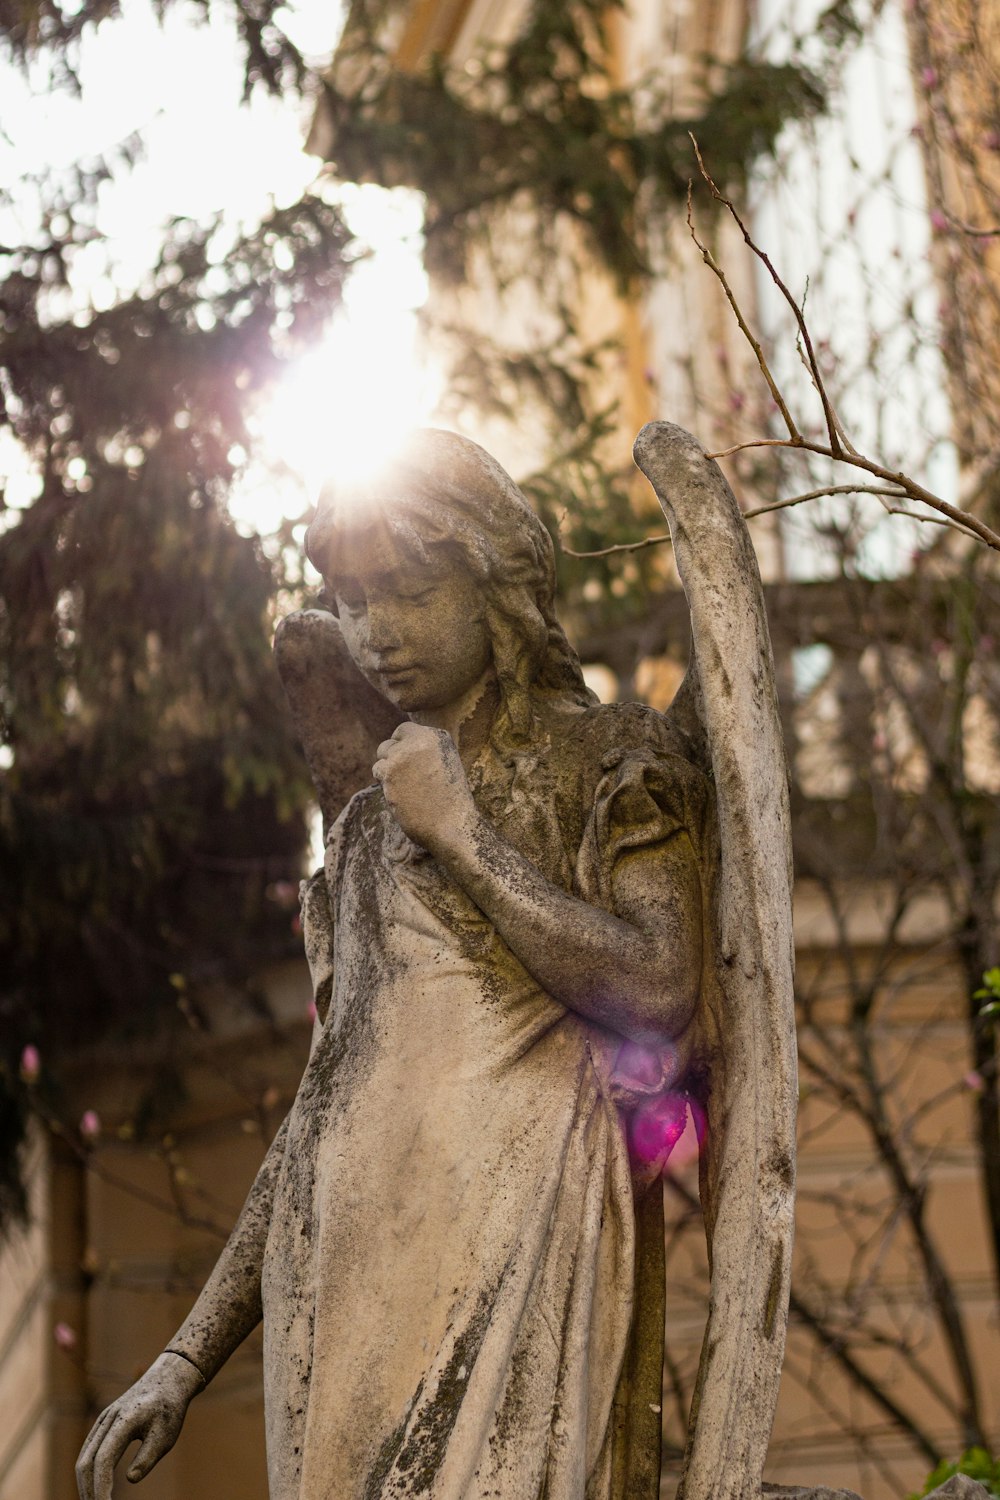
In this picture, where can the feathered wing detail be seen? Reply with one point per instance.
(338, 716)
(729, 704)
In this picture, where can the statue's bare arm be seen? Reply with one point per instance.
(637, 973)
(229, 1307)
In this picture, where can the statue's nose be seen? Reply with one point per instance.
(383, 634)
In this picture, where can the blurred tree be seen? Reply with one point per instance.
(151, 790)
(547, 173)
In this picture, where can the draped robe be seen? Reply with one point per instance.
(457, 1301)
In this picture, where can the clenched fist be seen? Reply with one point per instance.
(426, 787)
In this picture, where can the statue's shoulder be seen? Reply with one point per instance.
(606, 734)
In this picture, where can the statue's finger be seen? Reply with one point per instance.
(383, 750)
(85, 1463)
(117, 1438)
(158, 1441)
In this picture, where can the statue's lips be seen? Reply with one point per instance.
(395, 672)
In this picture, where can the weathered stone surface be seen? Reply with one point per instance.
(748, 1013)
(804, 1492)
(960, 1487)
(541, 926)
(339, 717)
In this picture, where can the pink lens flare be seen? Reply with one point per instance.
(64, 1335)
(656, 1127)
(31, 1064)
(670, 1127)
(645, 1069)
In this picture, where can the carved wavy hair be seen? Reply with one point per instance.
(443, 492)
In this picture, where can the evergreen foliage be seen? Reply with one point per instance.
(975, 1462)
(153, 793)
(152, 790)
(539, 161)
(546, 119)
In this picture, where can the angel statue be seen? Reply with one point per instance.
(543, 926)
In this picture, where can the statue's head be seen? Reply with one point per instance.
(443, 501)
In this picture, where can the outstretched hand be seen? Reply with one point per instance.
(426, 787)
(151, 1411)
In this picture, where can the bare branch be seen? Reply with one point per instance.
(915, 515)
(647, 541)
(961, 519)
(828, 489)
(754, 343)
(989, 231)
(799, 442)
(838, 448)
(832, 425)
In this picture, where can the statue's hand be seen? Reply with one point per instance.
(426, 787)
(151, 1411)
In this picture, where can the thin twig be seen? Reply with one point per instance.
(763, 510)
(799, 442)
(713, 265)
(824, 396)
(987, 233)
(647, 541)
(914, 515)
(839, 449)
(829, 489)
(961, 519)
(765, 259)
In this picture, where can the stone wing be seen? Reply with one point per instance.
(338, 716)
(729, 704)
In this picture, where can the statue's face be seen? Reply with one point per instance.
(415, 629)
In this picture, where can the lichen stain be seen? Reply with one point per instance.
(774, 1292)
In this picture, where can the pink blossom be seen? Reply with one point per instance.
(31, 1063)
(283, 893)
(737, 400)
(64, 1335)
(974, 1081)
(929, 78)
(90, 1125)
(991, 140)
(939, 221)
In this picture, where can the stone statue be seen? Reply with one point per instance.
(546, 927)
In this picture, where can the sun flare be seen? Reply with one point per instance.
(343, 409)
(351, 402)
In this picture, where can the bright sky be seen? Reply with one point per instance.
(179, 83)
(843, 212)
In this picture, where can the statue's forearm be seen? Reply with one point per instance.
(637, 974)
(229, 1306)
